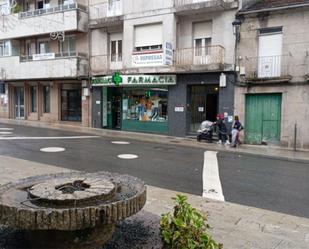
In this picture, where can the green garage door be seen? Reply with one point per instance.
(263, 118)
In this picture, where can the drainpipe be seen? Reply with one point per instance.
(295, 136)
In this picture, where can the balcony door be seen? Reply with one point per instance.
(115, 51)
(19, 103)
(270, 54)
(202, 33)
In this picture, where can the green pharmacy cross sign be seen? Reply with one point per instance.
(117, 79)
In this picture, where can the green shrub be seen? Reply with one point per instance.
(187, 228)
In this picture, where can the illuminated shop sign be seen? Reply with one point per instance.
(134, 80)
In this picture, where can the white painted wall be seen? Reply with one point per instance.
(56, 68)
(13, 27)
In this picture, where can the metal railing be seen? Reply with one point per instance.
(104, 10)
(264, 67)
(179, 3)
(61, 55)
(199, 56)
(59, 8)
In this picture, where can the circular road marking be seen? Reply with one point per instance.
(52, 149)
(5, 133)
(120, 142)
(127, 156)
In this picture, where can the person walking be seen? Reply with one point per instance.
(222, 130)
(236, 128)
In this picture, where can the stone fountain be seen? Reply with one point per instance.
(70, 210)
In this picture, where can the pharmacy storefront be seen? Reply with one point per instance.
(132, 102)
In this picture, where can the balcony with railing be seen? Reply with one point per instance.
(198, 6)
(209, 58)
(106, 64)
(106, 13)
(266, 68)
(44, 66)
(68, 17)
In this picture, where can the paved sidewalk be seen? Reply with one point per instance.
(236, 226)
(266, 151)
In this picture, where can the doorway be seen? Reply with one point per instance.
(203, 105)
(263, 118)
(19, 103)
(71, 104)
(114, 108)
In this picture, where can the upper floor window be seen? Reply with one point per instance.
(43, 4)
(202, 33)
(43, 46)
(148, 37)
(270, 57)
(68, 46)
(5, 47)
(116, 47)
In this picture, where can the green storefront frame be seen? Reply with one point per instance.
(108, 118)
(263, 118)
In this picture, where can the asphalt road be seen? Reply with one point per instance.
(267, 183)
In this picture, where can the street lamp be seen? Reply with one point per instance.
(236, 25)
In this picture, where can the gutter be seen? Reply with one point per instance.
(273, 9)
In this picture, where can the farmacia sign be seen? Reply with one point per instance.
(133, 80)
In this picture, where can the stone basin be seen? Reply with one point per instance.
(70, 210)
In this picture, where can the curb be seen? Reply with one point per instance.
(161, 139)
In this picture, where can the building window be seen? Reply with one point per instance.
(43, 47)
(46, 99)
(43, 4)
(116, 50)
(202, 46)
(148, 37)
(5, 48)
(145, 104)
(68, 46)
(270, 59)
(33, 96)
(202, 33)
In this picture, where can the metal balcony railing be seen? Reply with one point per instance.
(199, 56)
(264, 67)
(25, 58)
(59, 8)
(105, 10)
(179, 3)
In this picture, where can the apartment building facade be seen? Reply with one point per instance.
(272, 96)
(44, 60)
(161, 66)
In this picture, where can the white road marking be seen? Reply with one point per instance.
(46, 138)
(52, 149)
(6, 132)
(120, 142)
(6, 129)
(127, 156)
(211, 180)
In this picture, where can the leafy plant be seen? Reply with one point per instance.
(17, 9)
(186, 228)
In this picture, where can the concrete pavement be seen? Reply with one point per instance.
(236, 226)
(265, 151)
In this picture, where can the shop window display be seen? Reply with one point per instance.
(145, 106)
